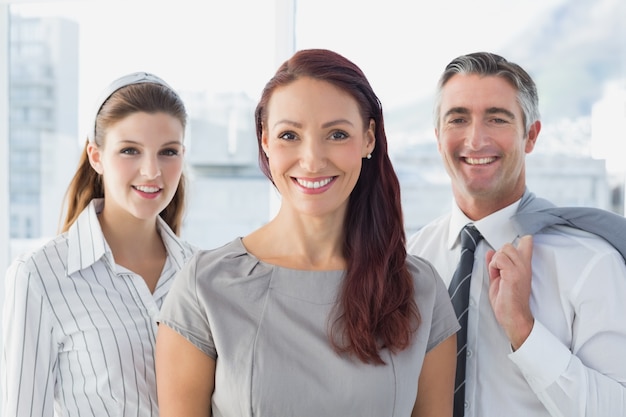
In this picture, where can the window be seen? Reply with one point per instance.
(219, 60)
(219, 54)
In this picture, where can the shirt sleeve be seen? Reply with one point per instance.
(444, 321)
(184, 313)
(587, 378)
(29, 356)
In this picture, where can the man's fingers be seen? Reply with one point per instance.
(493, 271)
(525, 248)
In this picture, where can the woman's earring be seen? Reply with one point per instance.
(369, 156)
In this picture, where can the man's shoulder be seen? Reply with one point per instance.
(434, 229)
(564, 238)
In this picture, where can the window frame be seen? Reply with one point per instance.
(4, 139)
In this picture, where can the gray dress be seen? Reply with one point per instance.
(267, 328)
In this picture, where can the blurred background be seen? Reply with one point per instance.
(56, 57)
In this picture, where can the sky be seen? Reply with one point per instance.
(226, 46)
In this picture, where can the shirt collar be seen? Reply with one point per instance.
(178, 250)
(87, 245)
(495, 228)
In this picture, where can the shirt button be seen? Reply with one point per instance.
(466, 405)
(469, 353)
(471, 302)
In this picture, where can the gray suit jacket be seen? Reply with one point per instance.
(535, 214)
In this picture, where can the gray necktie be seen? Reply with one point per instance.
(532, 218)
(459, 294)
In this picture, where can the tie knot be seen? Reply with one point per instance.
(470, 236)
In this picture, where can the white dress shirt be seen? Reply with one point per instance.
(572, 364)
(79, 330)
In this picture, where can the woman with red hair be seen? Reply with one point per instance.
(320, 312)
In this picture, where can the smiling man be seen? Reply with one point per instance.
(543, 316)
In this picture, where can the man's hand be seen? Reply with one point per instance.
(510, 276)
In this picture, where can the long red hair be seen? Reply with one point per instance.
(376, 307)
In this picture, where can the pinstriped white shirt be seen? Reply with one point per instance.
(79, 330)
